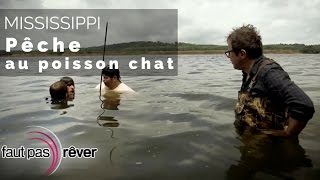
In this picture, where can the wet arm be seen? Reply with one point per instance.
(292, 130)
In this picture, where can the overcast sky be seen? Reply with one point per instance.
(209, 21)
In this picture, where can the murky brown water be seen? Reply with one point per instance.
(177, 127)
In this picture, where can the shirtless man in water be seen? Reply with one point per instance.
(111, 81)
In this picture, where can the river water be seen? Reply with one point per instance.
(175, 127)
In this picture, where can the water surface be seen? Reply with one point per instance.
(176, 127)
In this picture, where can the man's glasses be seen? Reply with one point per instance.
(228, 53)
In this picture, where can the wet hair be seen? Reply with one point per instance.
(58, 90)
(248, 38)
(111, 72)
(67, 80)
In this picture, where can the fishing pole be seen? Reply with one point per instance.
(104, 51)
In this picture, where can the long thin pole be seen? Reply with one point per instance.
(104, 51)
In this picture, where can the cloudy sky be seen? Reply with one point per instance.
(209, 21)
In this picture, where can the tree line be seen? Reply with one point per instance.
(150, 47)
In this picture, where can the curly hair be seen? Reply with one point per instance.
(248, 38)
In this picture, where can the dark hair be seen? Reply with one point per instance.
(111, 72)
(67, 80)
(58, 90)
(248, 38)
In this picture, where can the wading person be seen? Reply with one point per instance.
(58, 92)
(268, 100)
(111, 81)
(70, 87)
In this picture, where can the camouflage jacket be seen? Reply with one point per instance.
(254, 107)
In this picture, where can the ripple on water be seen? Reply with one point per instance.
(178, 127)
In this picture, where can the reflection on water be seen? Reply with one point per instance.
(177, 127)
(108, 121)
(263, 155)
(61, 105)
(110, 101)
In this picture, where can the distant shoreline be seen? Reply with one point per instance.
(162, 48)
(36, 54)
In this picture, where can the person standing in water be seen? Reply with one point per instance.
(70, 87)
(112, 81)
(58, 92)
(268, 100)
